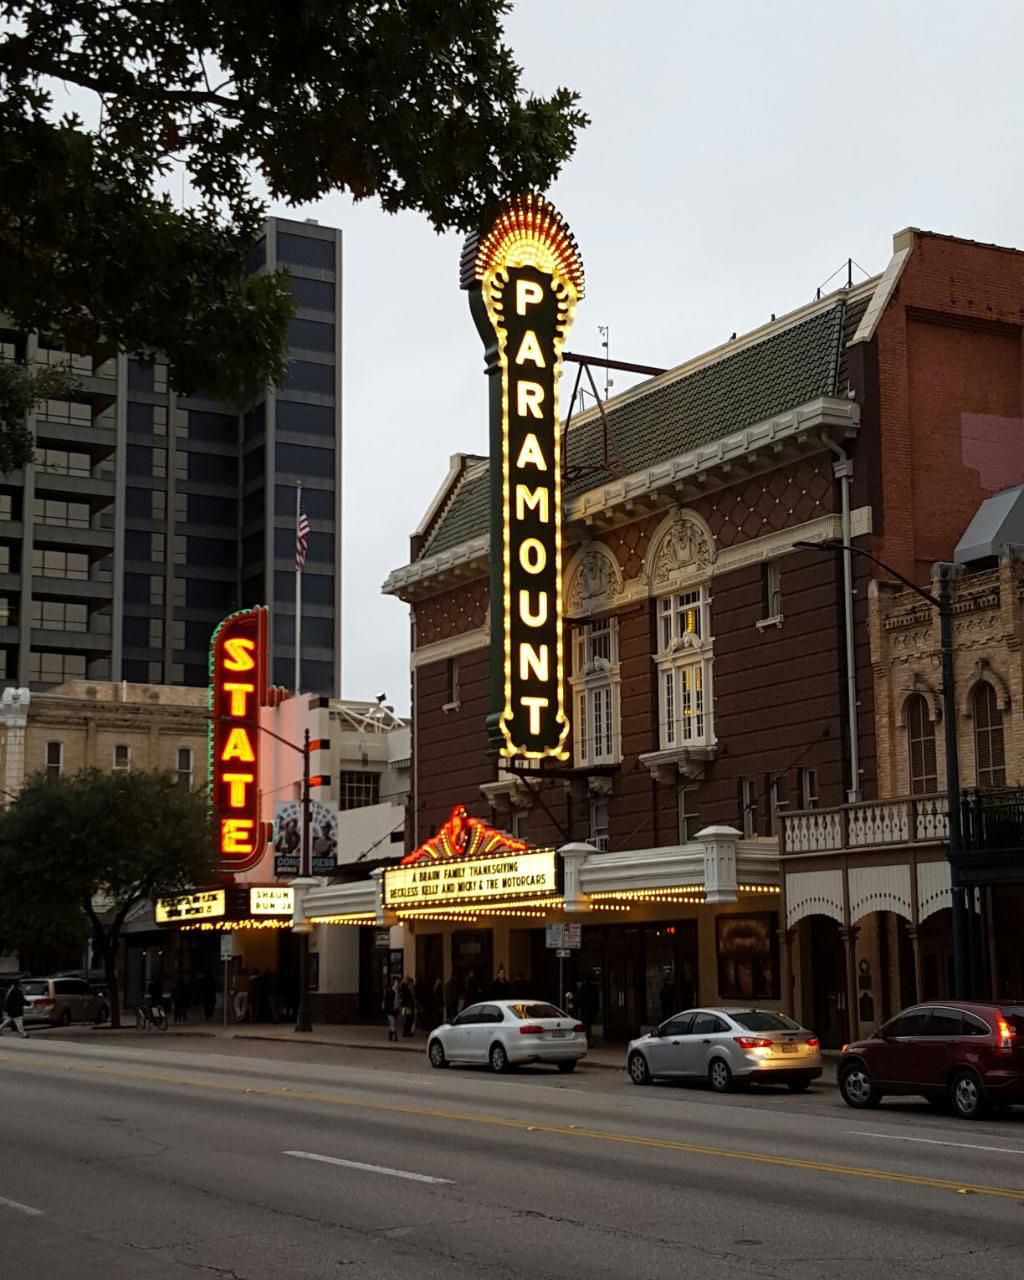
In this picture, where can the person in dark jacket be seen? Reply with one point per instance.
(392, 1004)
(501, 988)
(407, 1001)
(587, 1005)
(208, 995)
(180, 998)
(451, 998)
(14, 1010)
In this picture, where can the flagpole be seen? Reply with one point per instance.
(298, 592)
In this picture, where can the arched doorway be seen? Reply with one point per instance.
(823, 989)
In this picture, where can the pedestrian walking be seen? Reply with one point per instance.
(180, 998)
(406, 998)
(451, 997)
(14, 1010)
(208, 996)
(392, 1004)
(242, 997)
(436, 1004)
(472, 992)
(587, 1006)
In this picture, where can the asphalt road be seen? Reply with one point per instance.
(160, 1158)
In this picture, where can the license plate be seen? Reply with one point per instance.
(789, 1048)
(558, 1035)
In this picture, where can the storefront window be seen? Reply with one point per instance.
(748, 957)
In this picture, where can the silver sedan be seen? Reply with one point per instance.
(727, 1047)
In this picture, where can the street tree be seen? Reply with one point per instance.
(86, 848)
(417, 103)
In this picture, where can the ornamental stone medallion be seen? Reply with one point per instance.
(682, 551)
(595, 580)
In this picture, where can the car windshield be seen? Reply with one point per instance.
(525, 1011)
(757, 1020)
(35, 988)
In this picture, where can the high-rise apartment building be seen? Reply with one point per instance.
(148, 516)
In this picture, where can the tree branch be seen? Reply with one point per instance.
(66, 72)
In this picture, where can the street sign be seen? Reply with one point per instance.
(573, 936)
(554, 935)
(563, 953)
(227, 946)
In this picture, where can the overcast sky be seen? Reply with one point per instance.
(737, 155)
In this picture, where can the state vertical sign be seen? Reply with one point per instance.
(238, 689)
(525, 276)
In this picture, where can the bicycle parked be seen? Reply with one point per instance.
(151, 1014)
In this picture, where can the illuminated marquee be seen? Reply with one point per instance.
(440, 883)
(464, 837)
(525, 276)
(238, 689)
(209, 904)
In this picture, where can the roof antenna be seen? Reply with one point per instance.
(608, 383)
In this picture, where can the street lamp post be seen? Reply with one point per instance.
(943, 603)
(302, 1014)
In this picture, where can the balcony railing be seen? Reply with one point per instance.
(868, 825)
(993, 820)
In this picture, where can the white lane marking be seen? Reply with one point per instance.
(935, 1142)
(368, 1168)
(21, 1208)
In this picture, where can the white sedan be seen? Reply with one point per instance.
(508, 1033)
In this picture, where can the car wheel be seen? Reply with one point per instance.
(436, 1054)
(857, 1088)
(719, 1075)
(798, 1086)
(498, 1059)
(568, 1067)
(967, 1095)
(65, 1018)
(638, 1070)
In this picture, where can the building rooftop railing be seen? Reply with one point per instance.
(870, 824)
(993, 820)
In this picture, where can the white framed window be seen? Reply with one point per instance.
(684, 670)
(122, 756)
(185, 767)
(54, 759)
(808, 779)
(452, 699)
(358, 788)
(771, 591)
(599, 822)
(689, 821)
(595, 692)
(746, 797)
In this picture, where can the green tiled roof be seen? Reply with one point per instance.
(770, 377)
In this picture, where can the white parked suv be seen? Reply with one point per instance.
(509, 1033)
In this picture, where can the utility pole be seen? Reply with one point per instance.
(302, 1018)
(944, 604)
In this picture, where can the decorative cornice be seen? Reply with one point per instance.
(805, 425)
(442, 650)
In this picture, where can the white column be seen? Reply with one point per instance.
(719, 863)
(573, 856)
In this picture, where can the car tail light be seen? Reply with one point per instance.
(1005, 1033)
(43, 1003)
(531, 1029)
(814, 1043)
(752, 1042)
(579, 1027)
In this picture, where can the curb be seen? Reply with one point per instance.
(381, 1048)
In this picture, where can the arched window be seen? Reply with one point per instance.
(920, 746)
(989, 748)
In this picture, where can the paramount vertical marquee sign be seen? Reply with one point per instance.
(238, 689)
(524, 276)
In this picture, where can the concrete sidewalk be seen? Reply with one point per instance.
(372, 1038)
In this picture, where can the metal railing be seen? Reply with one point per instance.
(867, 825)
(993, 820)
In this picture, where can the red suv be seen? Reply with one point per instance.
(967, 1055)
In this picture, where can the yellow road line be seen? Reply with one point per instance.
(526, 1126)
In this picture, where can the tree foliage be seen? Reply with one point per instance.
(78, 852)
(417, 103)
(21, 388)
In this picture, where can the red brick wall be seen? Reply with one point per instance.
(950, 395)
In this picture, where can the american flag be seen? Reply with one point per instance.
(301, 540)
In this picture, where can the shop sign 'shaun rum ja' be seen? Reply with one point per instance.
(524, 277)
